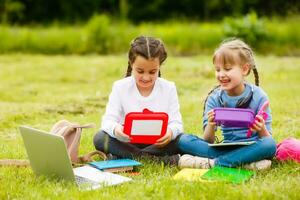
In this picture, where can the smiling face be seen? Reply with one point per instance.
(145, 72)
(230, 72)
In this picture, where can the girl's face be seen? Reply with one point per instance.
(145, 72)
(231, 77)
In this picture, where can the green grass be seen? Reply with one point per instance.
(39, 90)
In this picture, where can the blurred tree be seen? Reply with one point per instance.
(249, 28)
(123, 6)
(45, 11)
(155, 10)
(11, 11)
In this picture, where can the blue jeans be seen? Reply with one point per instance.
(264, 148)
(108, 144)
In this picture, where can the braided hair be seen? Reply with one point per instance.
(147, 47)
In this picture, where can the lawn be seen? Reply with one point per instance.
(39, 90)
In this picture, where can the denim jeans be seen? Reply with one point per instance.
(108, 144)
(264, 148)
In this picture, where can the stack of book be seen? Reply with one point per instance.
(115, 166)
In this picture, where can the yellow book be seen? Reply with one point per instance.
(188, 174)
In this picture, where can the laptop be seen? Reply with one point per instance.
(48, 156)
(227, 144)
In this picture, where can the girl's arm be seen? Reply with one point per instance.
(112, 116)
(175, 120)
(209, 125)
(260, 127)
(209, 130)
(175, 126)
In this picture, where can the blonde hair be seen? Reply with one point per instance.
(230, 50)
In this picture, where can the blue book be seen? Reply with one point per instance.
(110, 164)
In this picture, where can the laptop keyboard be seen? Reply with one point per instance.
(81, 180)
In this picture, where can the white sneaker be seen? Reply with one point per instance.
(189, 161)
(259, 165)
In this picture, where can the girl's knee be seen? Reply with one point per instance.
(99, 139)
(269, 145)
(186, 138)
(188, 141)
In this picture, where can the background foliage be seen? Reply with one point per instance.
(104, 35)
(45, 11)
(186, 26)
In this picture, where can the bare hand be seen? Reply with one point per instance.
(258, 125)
(120, 135)
(211, 118)
(166, 139)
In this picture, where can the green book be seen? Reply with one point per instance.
(232, 175)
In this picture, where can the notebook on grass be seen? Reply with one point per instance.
(232, 175)
(109, 165)
(189, 174)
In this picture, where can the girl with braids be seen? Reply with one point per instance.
(233, 61)
(141, 88)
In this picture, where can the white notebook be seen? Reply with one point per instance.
(222, 144)
(102, 178)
